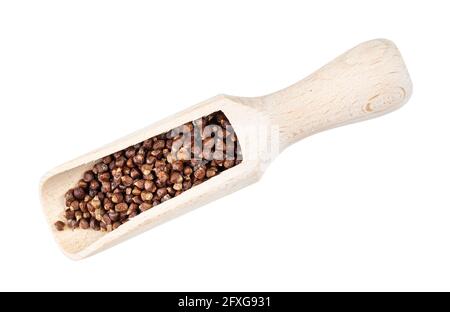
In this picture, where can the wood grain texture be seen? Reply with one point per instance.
(367, 81)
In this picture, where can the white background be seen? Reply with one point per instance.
(363, 207)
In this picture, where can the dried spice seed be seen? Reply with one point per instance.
(113, 215)
(187, 171)
(59, 225)
(79, 193)
(94, 224)
(117, 198)
(146, 169)
(200, 173)
(122, 207)
(84, 224)
(75, 205)
(177, 165)
(178, 186)
(88, 176)
(176, 177)
(144, 206)
(122, 185)
(211, 172)
(161, 192)
(104, 177)
(146, 196)
(150, 186)
(101, 167)
(127, 180)
(94, 185)
(82, 184)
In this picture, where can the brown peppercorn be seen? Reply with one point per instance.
(101, 196)
(128, 198)
(160, 164)
(146, 196)
(99, 214)
(94, 224)
(159, 144)
(130, 152)
(75, 205)
(69, 214)
(132, 208)
(177, 165)
(171, 191)
(146, 169)
(138, 159)
(134, 173)
(150, 159)
(113, 215)
(139, 184)
(178, 186)
(69, 196)
(95, 202)
(137, 199)
(147, 144)
(187, 171)
(94, 185)
(162, 177)
(82, 184)
(127, 180)
(107, 159)
(144, 206)
(88, 176)
(106, 219)
(200, 173)
(79, 193)
(161, 192)
(122, 207)
(117, 173)
(117, 198)
(120, 162)
(83, 206)
(93, 193)
(149, 186)
(90, 208)
(59, 225)
(104, 177)
(187, 185)
(101, 167)
(84, 224)
(130, 163)
(176, 177)
(166, 198)
(108, 204)
(106, 187)
(116, 225)
(78, 215)
(211, 172)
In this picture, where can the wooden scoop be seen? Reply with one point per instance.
(365, 82)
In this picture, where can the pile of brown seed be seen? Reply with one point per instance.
(122, 185)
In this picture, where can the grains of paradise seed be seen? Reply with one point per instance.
(131, 181)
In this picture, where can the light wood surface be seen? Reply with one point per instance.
(365, 82)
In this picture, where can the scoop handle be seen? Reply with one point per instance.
(365, 82)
